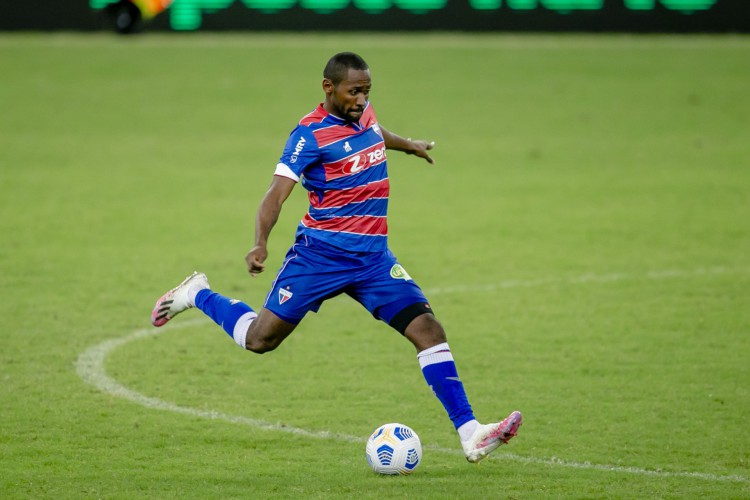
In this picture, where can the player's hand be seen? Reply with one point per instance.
(255, 259)
(420, 149)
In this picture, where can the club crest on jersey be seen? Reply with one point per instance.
(347, 147)
(399, 273)
(284, 295)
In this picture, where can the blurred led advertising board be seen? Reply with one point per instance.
(465, 15)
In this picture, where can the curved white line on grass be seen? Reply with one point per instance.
(90, 367)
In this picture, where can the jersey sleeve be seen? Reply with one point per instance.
(300, 152)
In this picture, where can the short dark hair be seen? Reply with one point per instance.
(339, 65)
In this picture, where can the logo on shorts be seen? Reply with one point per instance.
(284, 295)
(399, 273)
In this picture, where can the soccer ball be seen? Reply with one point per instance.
(394, 449)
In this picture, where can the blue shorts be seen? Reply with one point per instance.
(314, 271)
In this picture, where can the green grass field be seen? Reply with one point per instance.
(584, 237)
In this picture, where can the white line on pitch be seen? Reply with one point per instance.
(90, 367)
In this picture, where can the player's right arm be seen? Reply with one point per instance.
(265, 220)
(301, 151)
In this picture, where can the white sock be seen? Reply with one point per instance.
(239, 334)
(192, 292)
(467, 430)
(434, 355)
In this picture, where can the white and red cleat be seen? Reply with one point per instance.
(176, 300)
(488, 437)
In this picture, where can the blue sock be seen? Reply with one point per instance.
(224, 311)
(439, 371)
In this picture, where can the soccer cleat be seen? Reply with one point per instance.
(176, 300)
(488, 437)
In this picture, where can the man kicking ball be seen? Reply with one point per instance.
(338, 153)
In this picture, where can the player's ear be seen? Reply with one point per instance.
(328, 86)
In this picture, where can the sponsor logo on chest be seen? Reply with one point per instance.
(357, 162)
(364, 160)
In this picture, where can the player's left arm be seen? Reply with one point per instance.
(409, 146)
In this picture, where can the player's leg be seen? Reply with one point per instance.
(439, 369)
(259, 333)
(436, 361)
(267, 332)
(299, 287)
(390, 294)
(424, 330)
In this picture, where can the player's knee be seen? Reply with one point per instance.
(261, 342)
(433, 329)
(260, 346)
(262, 338)
(405, 318)
(425, 331)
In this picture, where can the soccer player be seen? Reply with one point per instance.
(338, 154)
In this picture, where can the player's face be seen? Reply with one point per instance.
(348, 99)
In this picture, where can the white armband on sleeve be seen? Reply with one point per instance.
(285, 171)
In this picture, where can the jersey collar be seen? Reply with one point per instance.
(337, 120)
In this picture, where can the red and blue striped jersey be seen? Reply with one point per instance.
(343, 167)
